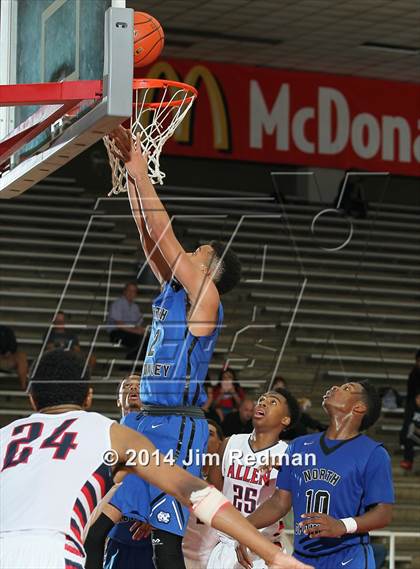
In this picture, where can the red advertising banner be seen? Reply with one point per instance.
(313, 119)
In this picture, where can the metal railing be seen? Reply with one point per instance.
(391, 535)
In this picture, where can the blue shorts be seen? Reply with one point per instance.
(185, 439)
(123, 556)
(182, 439)
(353, 557)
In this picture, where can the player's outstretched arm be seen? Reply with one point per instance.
(208, 504)
(153, 255)
(204, 299)
(270, 512)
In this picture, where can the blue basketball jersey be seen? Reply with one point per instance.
(176, 362)
(340, 478)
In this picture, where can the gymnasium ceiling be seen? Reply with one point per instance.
(312, 35)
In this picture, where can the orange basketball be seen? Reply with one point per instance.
(148, 39)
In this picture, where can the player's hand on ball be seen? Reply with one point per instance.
(285, 561)
(140, 530)
(129, 151)
(320, 525)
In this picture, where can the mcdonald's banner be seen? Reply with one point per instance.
(274, 116)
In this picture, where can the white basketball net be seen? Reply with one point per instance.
(155, 124)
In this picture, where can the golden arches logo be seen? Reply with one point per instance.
(194, 77)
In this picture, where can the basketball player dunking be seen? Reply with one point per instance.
(246, 474)
(347, 494)
(53, 476)
(187, 319)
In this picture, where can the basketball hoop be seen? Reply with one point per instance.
(155, 119)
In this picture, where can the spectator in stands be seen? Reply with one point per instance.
(60, 336)
(11, 358)
(413, 435)
(239, 422)
(390, 398)
(350, 198)
(413, 388)
(208, 407)
(228, 394)
(413, 383)
(124, 322)
(306, 423)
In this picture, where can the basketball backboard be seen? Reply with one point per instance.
(76, 58)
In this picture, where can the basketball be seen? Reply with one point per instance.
(148, 39)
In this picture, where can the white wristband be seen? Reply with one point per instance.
(206, 503)
(351, 524)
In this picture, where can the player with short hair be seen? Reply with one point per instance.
(122, 551)
(53, 476)
(246, 472)
(346, 494)
(187, 319)
(128, 397)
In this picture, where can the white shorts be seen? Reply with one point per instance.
(223, 556)
(29, 550)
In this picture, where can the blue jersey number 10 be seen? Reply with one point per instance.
(317, 502)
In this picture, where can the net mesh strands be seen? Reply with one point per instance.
(155, 121)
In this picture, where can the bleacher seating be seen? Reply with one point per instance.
(358, 315)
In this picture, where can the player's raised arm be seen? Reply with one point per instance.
(202, 293)
(207, 503)
(153, 255)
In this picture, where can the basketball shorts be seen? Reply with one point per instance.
(180, 439)
(183, 440)
(44, 550)
(354, 557)
(124, 556)
(223, 556)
